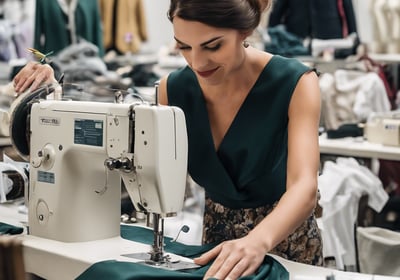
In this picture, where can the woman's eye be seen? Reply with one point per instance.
(183, 48)
(213, 48)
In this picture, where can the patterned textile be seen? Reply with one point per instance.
(222, 223)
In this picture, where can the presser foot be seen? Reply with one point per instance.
(166, 262)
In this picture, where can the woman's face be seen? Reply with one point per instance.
(212, 53)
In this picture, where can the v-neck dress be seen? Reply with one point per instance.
(249, 167)
(246, 176)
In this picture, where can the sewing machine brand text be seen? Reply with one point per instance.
(49, 121)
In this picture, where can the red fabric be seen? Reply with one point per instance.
(342, 13)
(390, 176)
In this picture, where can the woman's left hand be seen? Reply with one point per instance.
(234, 258)
(32, 76)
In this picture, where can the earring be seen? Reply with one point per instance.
(246, 44)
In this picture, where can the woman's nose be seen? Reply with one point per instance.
(199, 60)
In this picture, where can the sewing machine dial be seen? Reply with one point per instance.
(44, 158)
(42, 212)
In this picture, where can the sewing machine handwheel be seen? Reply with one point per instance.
(20, 119)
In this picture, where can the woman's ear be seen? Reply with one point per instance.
(245, 34)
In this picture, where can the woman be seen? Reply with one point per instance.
(252, 121)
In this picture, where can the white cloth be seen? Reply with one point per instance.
(371, 95)
(318, 46)
(341, 185)
(336, 107)
(351, 96)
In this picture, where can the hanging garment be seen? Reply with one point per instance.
(58, 24)
(321, 19)
(332, 19)
(124, 25)
(295, 17)
(341, 186)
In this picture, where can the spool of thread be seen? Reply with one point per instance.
(17, 190)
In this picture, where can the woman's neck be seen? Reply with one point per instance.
(240, 80)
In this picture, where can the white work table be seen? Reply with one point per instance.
(58, 260)
(357, 147)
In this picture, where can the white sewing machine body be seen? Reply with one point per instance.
(79, 151)
(383, 128)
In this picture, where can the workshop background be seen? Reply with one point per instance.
(100, 46)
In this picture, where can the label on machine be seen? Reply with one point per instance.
(46, 177)
(88, 132)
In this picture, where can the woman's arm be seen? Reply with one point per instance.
(300, 197)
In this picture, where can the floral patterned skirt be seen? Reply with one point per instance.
(222, 223)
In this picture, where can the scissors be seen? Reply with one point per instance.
(40, 56)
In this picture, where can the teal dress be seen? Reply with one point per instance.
(246, 176)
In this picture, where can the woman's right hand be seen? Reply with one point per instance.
(32, 76)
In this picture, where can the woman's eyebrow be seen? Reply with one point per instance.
(202, 44)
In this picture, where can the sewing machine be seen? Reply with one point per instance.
(383, 128)
(80, 151)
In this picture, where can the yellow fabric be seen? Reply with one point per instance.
(130, 22)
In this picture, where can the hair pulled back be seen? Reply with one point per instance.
(243, 15)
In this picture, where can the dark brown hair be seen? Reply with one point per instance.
(241, 15)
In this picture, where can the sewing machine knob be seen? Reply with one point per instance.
(37, 161)
(42, 212)
(112, 163)
(48, 159)
(45, 157)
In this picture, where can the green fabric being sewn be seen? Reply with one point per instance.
(117, 270)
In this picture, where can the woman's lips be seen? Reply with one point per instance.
(206, 74)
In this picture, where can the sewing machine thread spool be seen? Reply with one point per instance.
(18, 184)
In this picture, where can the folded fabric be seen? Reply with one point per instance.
(10, 229)
(111, 269)
(345, 130)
